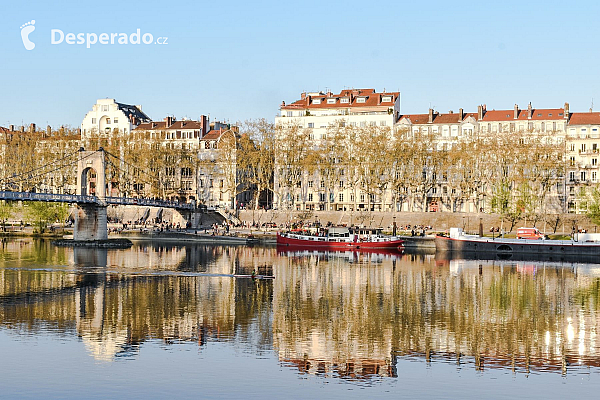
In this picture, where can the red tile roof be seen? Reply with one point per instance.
(372, 99)
(449, 118)
(536, 114)
(584, 118)
(213, 134)
(162, 125)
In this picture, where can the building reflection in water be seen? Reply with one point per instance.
(346, 315)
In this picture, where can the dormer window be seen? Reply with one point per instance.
(361, 99)
(386, 99)
(331, 101)
(316, 101)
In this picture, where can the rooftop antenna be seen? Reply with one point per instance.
(592, 106)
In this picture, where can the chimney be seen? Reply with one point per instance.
(48, 131)
(139, 107)
(153, 125)
(32, 128)
(22, 128)
(516, 112)
(529, 111)
(169, 121)
(430, 119)
(283, 103)
(460, 115)
(205, 125)
(329, 94)
(12, 128)
(182, 123)
(479, 113)
(566, 113)
(302, 96)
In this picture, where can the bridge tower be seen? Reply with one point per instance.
(91, 219)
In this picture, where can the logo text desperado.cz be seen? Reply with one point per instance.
(57, 36)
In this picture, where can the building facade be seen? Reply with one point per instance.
(108, 116)
(316, 114)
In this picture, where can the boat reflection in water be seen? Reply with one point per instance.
(347, 315)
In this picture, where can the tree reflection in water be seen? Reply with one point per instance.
(350, 316)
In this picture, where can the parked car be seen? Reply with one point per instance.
(529, 233)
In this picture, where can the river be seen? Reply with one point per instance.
(173, 320)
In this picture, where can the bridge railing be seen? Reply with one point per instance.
(73, 198)
(148, 202)
(50, 197)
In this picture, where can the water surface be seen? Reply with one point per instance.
(159, 321)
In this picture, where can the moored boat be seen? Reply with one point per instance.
(458, 242)
(339, 238)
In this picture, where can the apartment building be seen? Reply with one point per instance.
(181, 140)
(220, 181)
(108, 116)
(582, 152)
(315, 113)
(450, 128)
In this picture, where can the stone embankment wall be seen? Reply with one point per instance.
(439, 221)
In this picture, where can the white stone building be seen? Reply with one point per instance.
(107, 116)
(318, 111)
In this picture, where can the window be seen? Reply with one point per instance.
(341, 196)
(583, 147)
(116, 120)
(386, 99)
(345, 100)
(331, 101)
(104, 108)
(572, 146)
(289, 114)
(201, 183)
(93, 120)
(572, 161)
(361, 99)
(341, 184)
(322, 184)
(311, 125)
(594, 161)
(310, 197)
(594, 176)
(108, 120)
(572, 176)
(583, 175)
(317, 101)
(310, 184)
(363, 124)
(382, 123)
(321, 197)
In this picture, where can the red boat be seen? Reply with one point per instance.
(339, 239)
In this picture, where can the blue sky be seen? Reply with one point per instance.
(238, 60)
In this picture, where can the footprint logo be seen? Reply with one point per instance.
(26, 29)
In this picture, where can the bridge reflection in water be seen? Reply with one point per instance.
(323, 314)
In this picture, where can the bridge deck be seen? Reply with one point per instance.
(80, 199)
